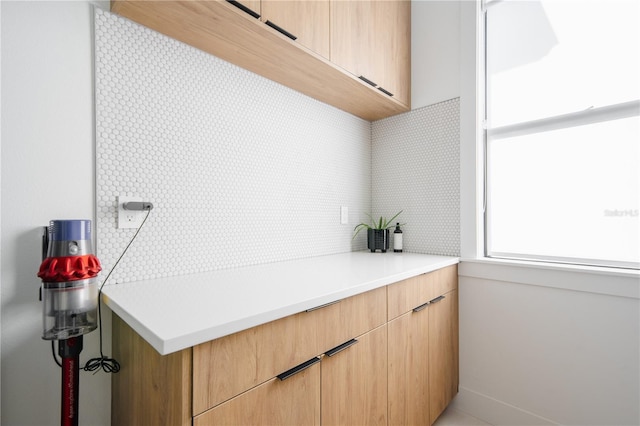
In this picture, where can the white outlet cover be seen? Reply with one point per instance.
(128, 219)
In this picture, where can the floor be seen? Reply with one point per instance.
(453, 417)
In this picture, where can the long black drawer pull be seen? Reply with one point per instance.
(341, 348)
(281, 30)
(244, 8)
(366, 80)
(421, 307)
(386, 92)
(323, 306)
(437, 299)
(298, 369)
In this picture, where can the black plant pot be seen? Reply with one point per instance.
(378, 239)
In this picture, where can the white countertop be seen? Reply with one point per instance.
(175, 313)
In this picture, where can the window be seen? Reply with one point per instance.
(562, 131)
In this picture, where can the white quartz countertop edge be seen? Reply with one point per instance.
(176, 313)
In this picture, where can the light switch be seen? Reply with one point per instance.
(344, 215)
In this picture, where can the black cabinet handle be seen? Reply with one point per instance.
(341, 348)
(386, 92)
(297, 369)
(281, 30)
(323, 306)
(421, 307)
(437, 299)
(366, 80)
(244, 8)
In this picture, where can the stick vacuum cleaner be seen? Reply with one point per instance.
(70, 296)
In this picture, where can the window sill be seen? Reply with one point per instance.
(591, 279)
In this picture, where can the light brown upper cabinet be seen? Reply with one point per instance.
(253, 6)
(372, 39)
(308, 21)
(306, 64)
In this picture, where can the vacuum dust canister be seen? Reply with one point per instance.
(69, 280)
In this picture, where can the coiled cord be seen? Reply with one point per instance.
(104, 363)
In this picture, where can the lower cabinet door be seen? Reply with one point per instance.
(354, 381)
(409, 369)
(292, 401)
(443, 353)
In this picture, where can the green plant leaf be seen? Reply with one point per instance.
(389, 223)
(381, 223)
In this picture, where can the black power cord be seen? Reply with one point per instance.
(107, 364)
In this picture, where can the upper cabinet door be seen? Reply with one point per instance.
(372, 39)
(308, 20)
(253, 5)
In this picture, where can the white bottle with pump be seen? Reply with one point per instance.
(397, 239)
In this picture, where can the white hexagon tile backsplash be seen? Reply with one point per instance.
(241, 170)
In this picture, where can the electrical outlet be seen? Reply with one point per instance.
(128, 219)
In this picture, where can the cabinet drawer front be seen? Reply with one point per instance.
(352, 317)
(223, 368)
(226, 367)
(295, 401)
(287, 342)
(413, 292)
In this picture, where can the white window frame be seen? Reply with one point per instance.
(564, 121)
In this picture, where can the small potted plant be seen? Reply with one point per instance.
(377, 232)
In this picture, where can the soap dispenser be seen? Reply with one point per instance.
(397, 239)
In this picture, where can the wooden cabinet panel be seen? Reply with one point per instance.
(223, 368)
(356, 316)
(227, 366)
(150, 389)
(405, 295)
(404, 371)
(392, 54)
(294, 401)
(287, 342)
(373, 39)
(443, 281)
(443, 353)
(308, 20)
(354, 382)
(253, 5)
(225, 31)
(352, 37)
(409, 369)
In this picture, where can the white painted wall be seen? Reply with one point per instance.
(520, 342)
(47, 173)
(541, 346)
(435, 51)
(538, 345)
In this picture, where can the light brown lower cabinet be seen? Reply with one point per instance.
(423, 361)
(423, 346)
(409, 369)
(397, 365)
(354, 381)
(292, 401)
(443, 353)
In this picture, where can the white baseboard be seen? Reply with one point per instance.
(495, 412)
